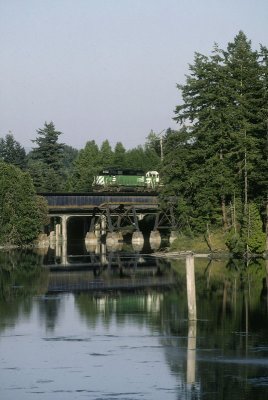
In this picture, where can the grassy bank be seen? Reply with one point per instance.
(214, 242)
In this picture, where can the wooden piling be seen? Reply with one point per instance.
(190, 279)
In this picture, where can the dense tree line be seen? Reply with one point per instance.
(217, 162)
(56, 167)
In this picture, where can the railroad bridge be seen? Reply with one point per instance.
(107, 215)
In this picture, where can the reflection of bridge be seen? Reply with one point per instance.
(132, 279)
(65, 284)
(107, 214)
(102, 258)
(120, 271)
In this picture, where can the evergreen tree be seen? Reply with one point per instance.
(251, 232)
(86, 166)
(206, 108)
(47, 158)
(261, 179)
(143, 158)
(69, 155)
(175, 172)
(12, 152)
(48, 149)
(119, 157)
(246, 96)
(37, 169)
(106, 154)
(154, 142)
(223, 106)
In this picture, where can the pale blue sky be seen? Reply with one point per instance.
(108, 69)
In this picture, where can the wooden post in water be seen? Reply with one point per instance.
(191, 352)
(190, 279)
(191, 298)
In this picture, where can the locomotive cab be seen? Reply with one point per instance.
(152, 179)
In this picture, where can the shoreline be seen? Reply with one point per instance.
(211, 255)
(182, 254)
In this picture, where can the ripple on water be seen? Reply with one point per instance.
(122, 396)
(66, 339)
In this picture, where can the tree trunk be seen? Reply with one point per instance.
(266, 224)
(223, 209)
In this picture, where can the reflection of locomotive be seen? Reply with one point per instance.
(128, 179)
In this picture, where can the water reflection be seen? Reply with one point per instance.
(21, 274)
(106, 341)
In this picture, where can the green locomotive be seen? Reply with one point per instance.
(125, 179)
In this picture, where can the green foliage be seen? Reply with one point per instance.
(105, 154)
(12, 152)
(154, 142)
(21, 275)
(92, 159)
(221, 152)
(86, 165)
(235, 243)
(119, 156)
(21, 213)
(146, 159)
(45, 162)
(252, 232)
(48, 149)
(248, 236)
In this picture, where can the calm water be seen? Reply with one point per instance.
(64, 336)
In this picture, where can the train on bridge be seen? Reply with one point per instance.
(126, 179)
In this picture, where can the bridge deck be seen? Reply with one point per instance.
(89, 201)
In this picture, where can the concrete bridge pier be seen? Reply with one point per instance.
(64, 258)
(64, 219)
(91, 236)
(137, 237)
(58, 233)
(137, 240)
(155, 239)
(112, 238)
(52, 239)
(173, 236)
(91, 247)
(58, 250)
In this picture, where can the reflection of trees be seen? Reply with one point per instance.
(21, 274)
(231, 321)
(49, 311)
(21, 277)
(229, 312)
